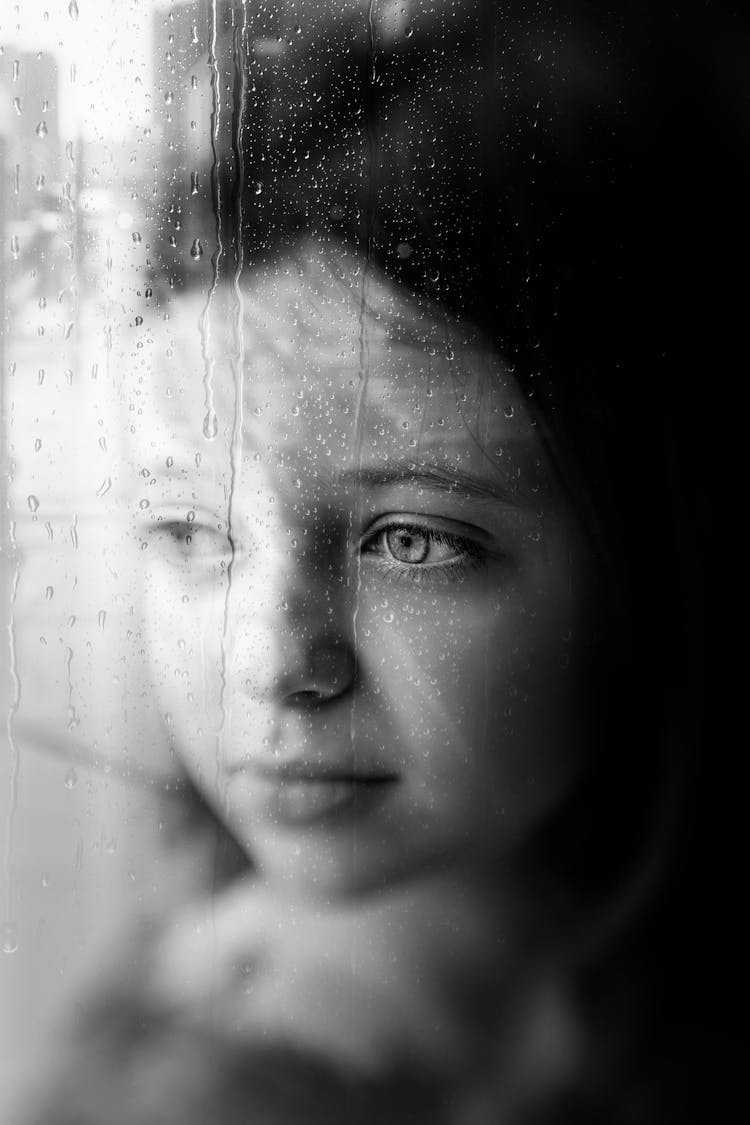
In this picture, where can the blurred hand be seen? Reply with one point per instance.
(362, 982)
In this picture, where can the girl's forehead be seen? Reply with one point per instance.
(400, 401)
(328, 369)
(338, 363)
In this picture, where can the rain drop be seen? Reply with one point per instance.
(9, 937)
(193, 183)
(42, 130)
(136, 236)
(49, 593)
(210, 425)
(196, 250)
(33, 504)
(15, 246)
(71, 779)
(73, 10)
(101, 617)
(37, 445)
(17, 105)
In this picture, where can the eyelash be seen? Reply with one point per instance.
(469, 556)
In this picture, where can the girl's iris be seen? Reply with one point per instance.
(407, 544)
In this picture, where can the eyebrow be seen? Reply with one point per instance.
(440, 479)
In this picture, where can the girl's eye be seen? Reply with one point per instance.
(188, 539)
(412, 546)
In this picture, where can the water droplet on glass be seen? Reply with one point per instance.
(49, 593)
(104, 487)
(41, 129)
(101, 617)
(40, 182)
(17, 105)
(388, 617)
(9, 937)
(172, 240)
(73, 10)
(136, 236)
(33, 504)
(170, 462)
(144, 503)
(16, 68)
(258, 187)
(194, 183)
(15, 246)
(71, 779)
(210, 425)
(148, 293)
(169, 97)
(37, 445)
(196, 250)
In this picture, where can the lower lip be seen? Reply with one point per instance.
(307, 800)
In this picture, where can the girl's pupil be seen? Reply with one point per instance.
(407, 546)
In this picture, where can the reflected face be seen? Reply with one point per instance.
(361, 642)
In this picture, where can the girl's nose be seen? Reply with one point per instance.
(313, 672)
(293, 641)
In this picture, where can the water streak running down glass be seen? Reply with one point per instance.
(341, 574)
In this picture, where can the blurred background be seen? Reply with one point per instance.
(136, 139)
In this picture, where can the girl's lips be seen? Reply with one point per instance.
(302, 800)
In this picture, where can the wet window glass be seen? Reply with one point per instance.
(343, 558)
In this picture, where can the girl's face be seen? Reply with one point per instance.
(370, 673)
